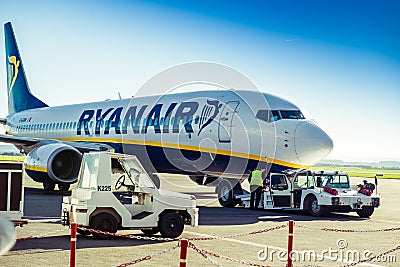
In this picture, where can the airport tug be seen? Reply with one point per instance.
(115, 192)
(317, 192)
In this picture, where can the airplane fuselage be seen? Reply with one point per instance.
(215, 132)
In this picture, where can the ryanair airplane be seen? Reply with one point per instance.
(215, 136)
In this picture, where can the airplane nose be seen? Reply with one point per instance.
(311, 143)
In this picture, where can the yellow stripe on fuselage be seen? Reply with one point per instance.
(188, 147)
(35, 168)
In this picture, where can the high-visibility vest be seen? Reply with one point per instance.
(256, 178)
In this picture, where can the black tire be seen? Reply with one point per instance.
(365, 212)
(225, 194)
(63, 187)
(171, 225)
(151, 231)
(104, 222)
(315, 209)
(49, 185)
(83, 232)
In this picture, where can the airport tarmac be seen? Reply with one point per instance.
(50, 247)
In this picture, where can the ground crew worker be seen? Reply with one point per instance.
(256, 186)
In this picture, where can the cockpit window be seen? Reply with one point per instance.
(274, 115)
(263, 115)
(292, 114)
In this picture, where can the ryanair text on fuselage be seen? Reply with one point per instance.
(174, 115)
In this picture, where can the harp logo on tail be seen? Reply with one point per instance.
(13, 71)
(208, 114)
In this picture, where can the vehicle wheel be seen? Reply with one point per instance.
(64, 187)
(83, 232)
(315, 209)
(225, 194)
(365, 212)
(104, 222)
(49, 185)
(171, 224)
(151, 231)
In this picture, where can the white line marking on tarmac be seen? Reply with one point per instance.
(278, 248)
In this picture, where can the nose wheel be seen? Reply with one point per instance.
(226, 192)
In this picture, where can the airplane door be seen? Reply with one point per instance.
(225, 121)
(280, 190)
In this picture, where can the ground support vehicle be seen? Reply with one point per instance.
(317, 192)
(115, 192)
(12, 192)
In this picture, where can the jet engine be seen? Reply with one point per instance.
(58, 163)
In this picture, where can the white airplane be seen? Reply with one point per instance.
(214, 136)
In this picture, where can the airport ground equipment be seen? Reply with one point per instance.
(317, 192)
(11, 190)
(115, 192)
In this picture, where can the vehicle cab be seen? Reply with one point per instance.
(317, 192)
(115, 192)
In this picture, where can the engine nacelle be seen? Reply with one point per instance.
(57, 162)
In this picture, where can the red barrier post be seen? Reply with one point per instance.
(290, 244)
(72, 258)
(184, 245)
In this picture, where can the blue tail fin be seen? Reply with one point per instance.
(19, 95)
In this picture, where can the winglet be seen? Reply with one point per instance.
(19, 95)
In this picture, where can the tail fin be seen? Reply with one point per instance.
(19, 95)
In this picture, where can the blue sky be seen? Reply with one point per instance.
(338, 59)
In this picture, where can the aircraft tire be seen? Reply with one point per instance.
(49, 185)
(365, 212)
(63, 187)
(104, 222)
(171, 224)
(225, 194)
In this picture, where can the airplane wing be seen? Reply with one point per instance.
(19, 140)
(34, 142)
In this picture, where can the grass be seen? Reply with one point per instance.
(353, 172)
(12, 158)
(364, 172)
